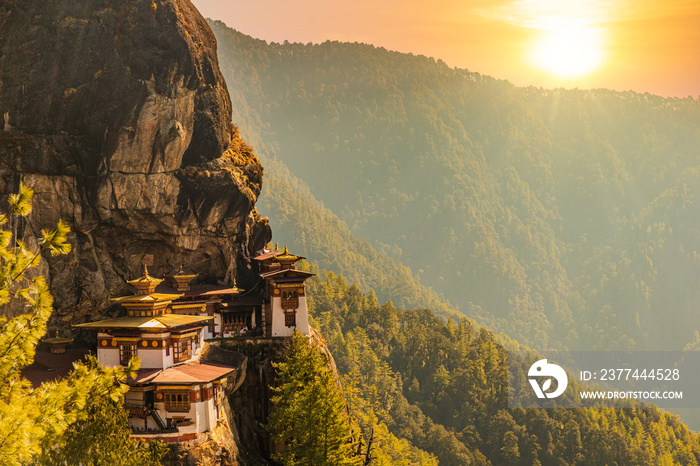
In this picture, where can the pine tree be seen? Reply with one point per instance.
(34, 419)
(102, 438)
(310, 418)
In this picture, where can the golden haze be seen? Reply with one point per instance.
(640, 45)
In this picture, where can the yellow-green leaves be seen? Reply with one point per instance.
(47, 425)
(56, 241)
(99, 435)
(31, 418)
(21, 203)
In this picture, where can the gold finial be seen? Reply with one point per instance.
(276, 247)
(285, 252)
(145, 284)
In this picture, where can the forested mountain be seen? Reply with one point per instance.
(562, 217)
(306, 225)
(443, 388)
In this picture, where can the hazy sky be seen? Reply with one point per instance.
(643, 45)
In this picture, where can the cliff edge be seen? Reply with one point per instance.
(118, 117)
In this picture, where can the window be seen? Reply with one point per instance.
(182, 349)
(177, 401)
(234, 321)
(126, 351)
(290, 300)
(290, 319)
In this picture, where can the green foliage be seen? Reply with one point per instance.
(33, 420)
(562, 217)
(381, 447)
(101, 437)
(21, 202)
(56, 240)
(443, 388)
(309, 418)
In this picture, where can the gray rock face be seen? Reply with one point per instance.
(116, 114)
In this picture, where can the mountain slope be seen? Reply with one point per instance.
(564, 218)
(305, 224)
(444, 388)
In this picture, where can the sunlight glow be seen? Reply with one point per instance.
(568, 49)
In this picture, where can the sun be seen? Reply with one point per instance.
(568, 49)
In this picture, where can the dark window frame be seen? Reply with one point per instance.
(290, 319)
(127, 350)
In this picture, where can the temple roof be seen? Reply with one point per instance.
(144, 375)
(193, 372)
(287, 257)
(57, 340)
(298, 273)
(48, 366)
(148, 298)
(266, 254)
(201, 290)
(181, 280)
(145, 280)
(164, 321)
(182, 275)
(244, 301)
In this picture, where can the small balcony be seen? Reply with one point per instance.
(291, 303)
(137, 409)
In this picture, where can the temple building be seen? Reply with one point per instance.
(273, 307)
(283, 293)
(175, 396)
(206, 300)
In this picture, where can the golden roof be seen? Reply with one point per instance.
(57, 339)
(287, 257)
(165, 321)
(181, 281)
(145, 280)
(154, 298)
(181, 275)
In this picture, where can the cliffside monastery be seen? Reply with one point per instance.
(175, 396)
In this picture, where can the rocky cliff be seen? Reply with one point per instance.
(118, 117)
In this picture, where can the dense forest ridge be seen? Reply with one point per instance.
(564, 218)
(442, 387)
(471, 75)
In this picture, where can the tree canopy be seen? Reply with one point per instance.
(443, 386)
(40, 421)
(309, 418)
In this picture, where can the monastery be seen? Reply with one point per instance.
(175, 396)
